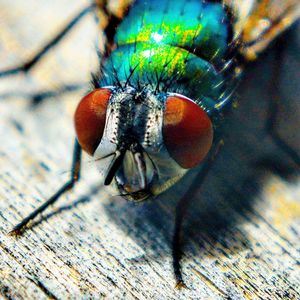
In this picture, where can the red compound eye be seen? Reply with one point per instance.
(90, 119)
(187, 131)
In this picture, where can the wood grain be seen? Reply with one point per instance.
(242, 231)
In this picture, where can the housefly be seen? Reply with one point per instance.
(167, 71)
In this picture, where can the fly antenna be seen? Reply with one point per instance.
(114, 166)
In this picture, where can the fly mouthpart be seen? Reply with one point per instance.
(135, 175)
(141, 169)
(114, 166)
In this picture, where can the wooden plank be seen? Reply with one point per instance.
(242, 233)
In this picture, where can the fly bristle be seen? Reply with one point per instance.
(131, 72)
(95, 80)
(116, 79)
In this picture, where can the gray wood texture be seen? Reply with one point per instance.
(241, 233)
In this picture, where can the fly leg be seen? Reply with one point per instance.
(181, 210)
(75, 176)
(110, 21)
(274, 109)
(25, 67)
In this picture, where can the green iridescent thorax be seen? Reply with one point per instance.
(178, 43)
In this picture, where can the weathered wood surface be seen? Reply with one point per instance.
(242, 233)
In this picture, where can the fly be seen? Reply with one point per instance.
(168, 70)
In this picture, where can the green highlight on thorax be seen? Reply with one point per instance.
(165, 39)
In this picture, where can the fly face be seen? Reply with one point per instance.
(142, 142)
(131, 137)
